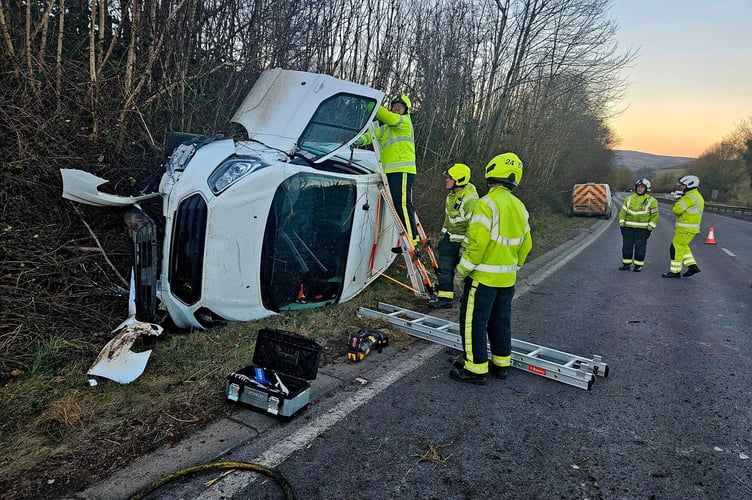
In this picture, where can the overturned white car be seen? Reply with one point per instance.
(290, 218)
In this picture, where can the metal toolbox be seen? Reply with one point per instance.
(287, 361)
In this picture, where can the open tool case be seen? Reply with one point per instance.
(277, 381)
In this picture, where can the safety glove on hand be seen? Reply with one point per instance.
(459, 282)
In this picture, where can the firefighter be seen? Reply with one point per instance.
(397, 141)
(498, 242)
(458, 208)
(688, 210)
(637, 218)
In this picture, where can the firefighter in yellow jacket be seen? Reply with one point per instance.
(397, 141)
(498, 242)
(637, 218)
(458, 209)
(688, 210)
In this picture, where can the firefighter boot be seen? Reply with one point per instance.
(468, 377)
(499, 372)
(691, 271)
(637, 269)
(440, 303)
(624, 267)
(671, 275)
(459, 362)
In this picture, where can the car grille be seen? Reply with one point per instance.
(187, 249)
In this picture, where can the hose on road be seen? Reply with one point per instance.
(277, 477)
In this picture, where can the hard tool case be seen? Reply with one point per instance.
(288, 361)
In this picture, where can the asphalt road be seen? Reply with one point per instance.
(672, 420)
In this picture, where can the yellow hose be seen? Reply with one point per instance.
(281, 481)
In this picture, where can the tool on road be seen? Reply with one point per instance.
(363, 342)
(278, 381)
(550, 363)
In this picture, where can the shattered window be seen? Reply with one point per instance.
(306, 242)
(337, 121)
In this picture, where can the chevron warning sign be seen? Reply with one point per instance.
(591, 199)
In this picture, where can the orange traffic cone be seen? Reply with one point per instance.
(711, 238)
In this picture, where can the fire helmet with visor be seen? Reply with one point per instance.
(505, 169)
(459, 173)
(642, 182)
(404, 100)
(690, 181)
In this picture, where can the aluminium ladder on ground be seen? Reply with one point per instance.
(550, 363)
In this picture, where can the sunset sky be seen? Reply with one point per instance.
(691, 84)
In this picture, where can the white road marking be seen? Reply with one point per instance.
(728, 252)
(303, 437)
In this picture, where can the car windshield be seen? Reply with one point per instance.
(336, 122)
(306, 242)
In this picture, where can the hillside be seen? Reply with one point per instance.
(637, 161)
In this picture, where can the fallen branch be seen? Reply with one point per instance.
(101, 249)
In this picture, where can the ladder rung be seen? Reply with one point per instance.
(550, 363)
(534, 353)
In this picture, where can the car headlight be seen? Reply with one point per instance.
(231, 171)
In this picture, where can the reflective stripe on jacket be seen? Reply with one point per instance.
(688, 210)
(396, 139)
(639, 211)
(457, 212)
(498, 239)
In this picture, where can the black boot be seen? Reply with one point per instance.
(459, 362)
(467, 377)
(691, 271)
(637, 269)
(499, 372)
(671, 275)
(624, 267)
(440, 303)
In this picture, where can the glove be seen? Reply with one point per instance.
(459, 282)
(359, 142)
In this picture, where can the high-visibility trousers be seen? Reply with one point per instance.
(679, 251)
(449, 257)
(486, 319)
(401, 189)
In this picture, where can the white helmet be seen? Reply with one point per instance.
(642, 181)
(691, 181)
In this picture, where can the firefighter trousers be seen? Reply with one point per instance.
(486, 318)
(401, 189)
(449, 257)
(680, 251)
(634, 244)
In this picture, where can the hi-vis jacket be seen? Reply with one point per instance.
(688, 210)
(498, 239)
(457, 212)
(395, 136)
(639, 211)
